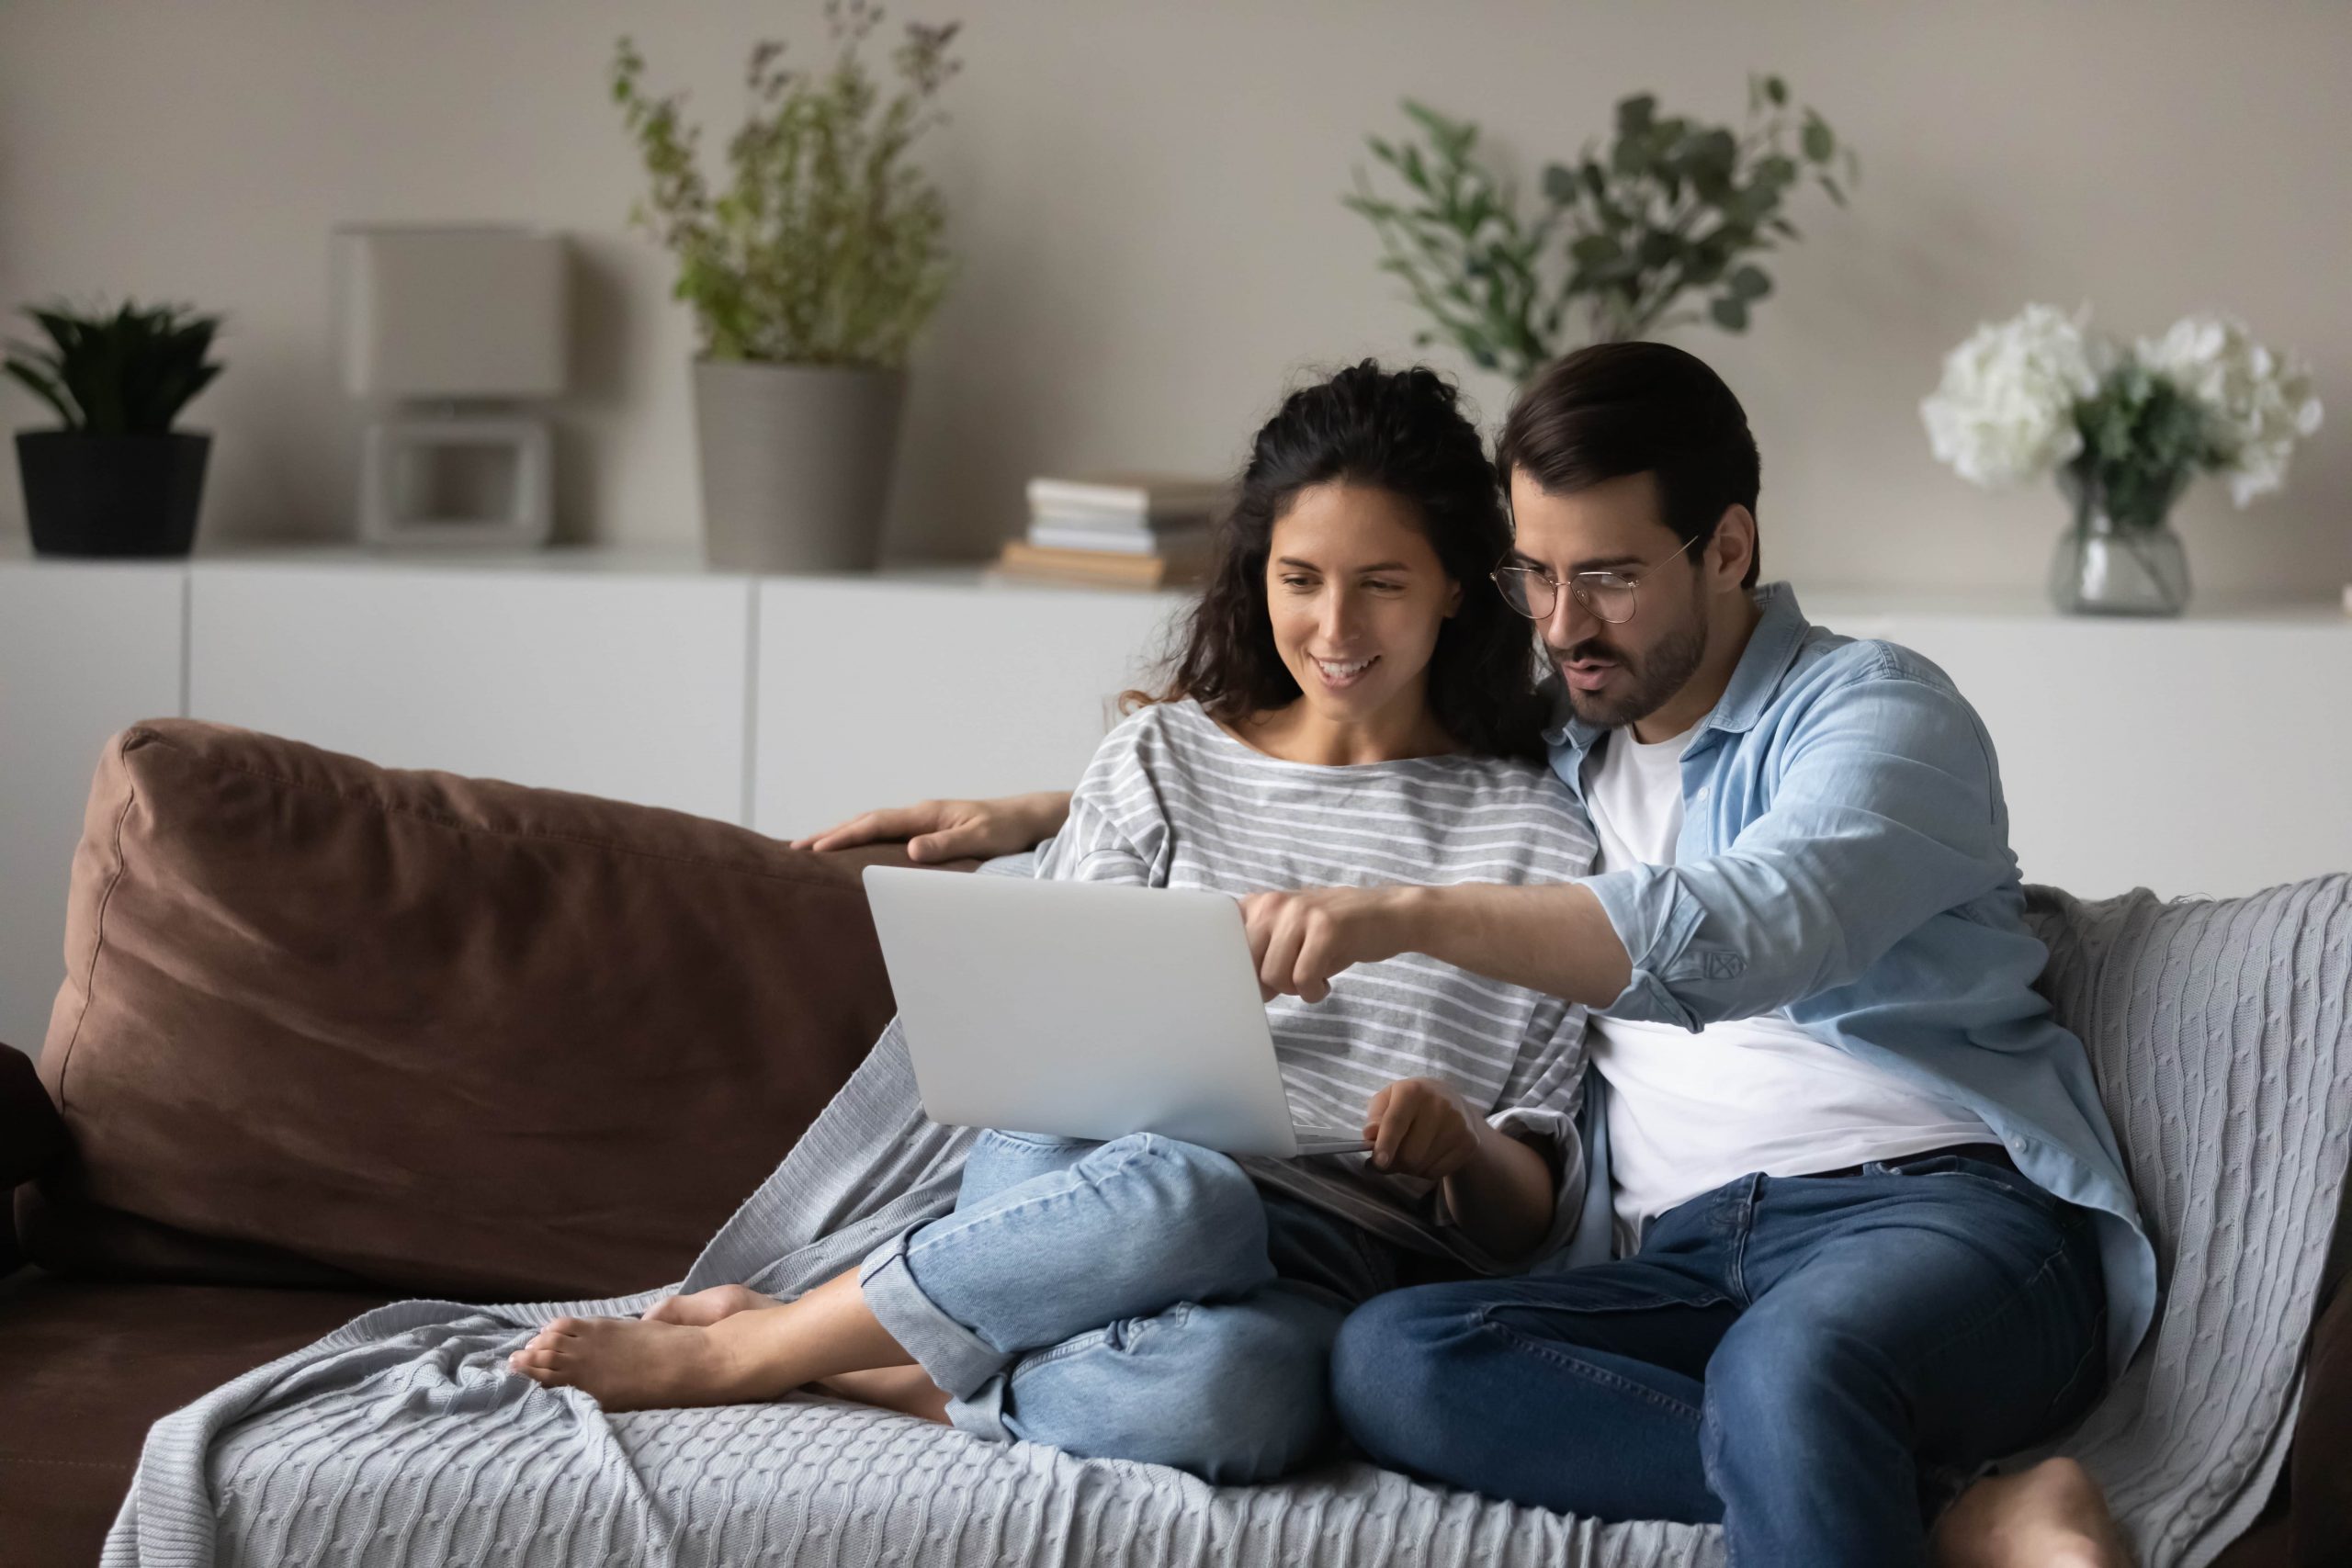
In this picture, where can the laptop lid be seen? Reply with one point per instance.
(1082, 1010)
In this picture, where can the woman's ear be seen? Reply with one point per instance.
(1452, 597)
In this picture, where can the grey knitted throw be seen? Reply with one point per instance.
(2221, 1041)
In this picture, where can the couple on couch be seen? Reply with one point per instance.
(1834, 1219)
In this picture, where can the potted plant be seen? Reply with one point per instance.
(1627, 237)
(2125, 430)
(116, 479)
(809, 275)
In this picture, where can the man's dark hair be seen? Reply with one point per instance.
(1636, 408)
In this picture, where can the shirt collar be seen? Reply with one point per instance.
(1772, 646)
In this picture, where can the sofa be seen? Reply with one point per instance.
(329, 1035)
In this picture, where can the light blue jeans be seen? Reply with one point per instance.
(1141, 1299)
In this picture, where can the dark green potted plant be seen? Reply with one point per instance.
(116, 480)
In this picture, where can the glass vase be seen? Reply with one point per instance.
(2110, 565)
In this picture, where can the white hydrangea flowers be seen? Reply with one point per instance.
(2259, 404)
(2005, 410)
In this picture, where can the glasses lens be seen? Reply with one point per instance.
(1525, 591)
(1607, 595)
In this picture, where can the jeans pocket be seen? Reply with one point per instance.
(2088, 1382)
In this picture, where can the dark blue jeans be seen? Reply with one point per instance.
(1810, 1360)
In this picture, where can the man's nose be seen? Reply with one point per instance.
(1569, 622)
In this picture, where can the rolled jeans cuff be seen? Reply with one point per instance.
(983, 1414)
(956, 1359)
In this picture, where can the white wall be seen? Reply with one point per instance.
(1147, 207)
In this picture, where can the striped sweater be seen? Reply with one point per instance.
(1174, 800)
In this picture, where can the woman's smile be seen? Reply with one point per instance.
(1339, 674)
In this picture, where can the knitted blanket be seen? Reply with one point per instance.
(2221, 1041)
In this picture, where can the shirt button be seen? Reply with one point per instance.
(1705, 791)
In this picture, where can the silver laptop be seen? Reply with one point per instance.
(1085, 1010)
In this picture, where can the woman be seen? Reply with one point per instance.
(1353, 703)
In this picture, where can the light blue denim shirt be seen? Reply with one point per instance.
(1845, 862)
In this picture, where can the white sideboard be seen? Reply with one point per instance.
(2209, 754)
(633, 684)
(885, 691)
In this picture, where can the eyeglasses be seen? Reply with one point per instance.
(1610, 595)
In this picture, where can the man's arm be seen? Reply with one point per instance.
(937, 831)
(1554, 939)
(1885, 814)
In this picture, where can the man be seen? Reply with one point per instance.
(1869, 1223)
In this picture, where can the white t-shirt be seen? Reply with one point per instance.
(1689, 1113)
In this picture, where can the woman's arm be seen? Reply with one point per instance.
(1500, 1189)
(938, 830)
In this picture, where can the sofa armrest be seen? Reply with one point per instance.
(33, 1139)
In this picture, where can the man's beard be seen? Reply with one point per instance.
(1645, 685)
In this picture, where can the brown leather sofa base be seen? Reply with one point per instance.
(84, 1369)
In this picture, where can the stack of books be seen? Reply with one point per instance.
(1140, 530)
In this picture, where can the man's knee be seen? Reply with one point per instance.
(1784, 1384)
(1390, 1371)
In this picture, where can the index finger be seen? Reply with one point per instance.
(1394, 1125)
(866, 828)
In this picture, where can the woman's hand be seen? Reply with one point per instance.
(1420, 1127)
(1497, 1188)
(937, 831)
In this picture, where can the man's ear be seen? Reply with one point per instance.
(1737, 524)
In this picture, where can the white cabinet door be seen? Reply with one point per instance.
(627, 685)
(86, 649)
(881, 693)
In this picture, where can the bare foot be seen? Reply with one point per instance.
(700, 1309)
(635, 1365)
(2050, 1516)
(907, 1390)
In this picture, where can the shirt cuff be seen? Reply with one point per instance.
(1655, 918)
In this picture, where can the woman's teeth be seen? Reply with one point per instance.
(1339, 674)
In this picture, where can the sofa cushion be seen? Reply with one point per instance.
(85, 1368)
(449, 1036)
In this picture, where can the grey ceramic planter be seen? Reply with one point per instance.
(795, 463)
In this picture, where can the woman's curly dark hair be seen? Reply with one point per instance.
(1402, 431)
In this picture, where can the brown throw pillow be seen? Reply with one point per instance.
(446, 1035)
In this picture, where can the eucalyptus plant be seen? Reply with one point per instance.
(827, 246)
(1623, 241)
(130, 373)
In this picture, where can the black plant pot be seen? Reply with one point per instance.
(111, 495)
